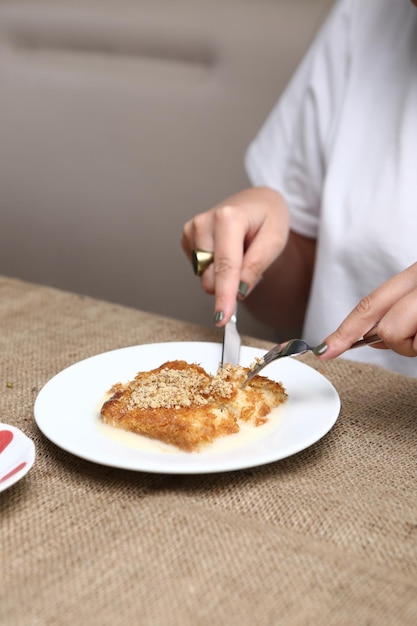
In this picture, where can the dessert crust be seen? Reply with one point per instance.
(182, 405)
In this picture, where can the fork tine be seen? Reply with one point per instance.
(269, 356)
(263, 362)
(293, 347)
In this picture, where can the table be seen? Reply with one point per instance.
(328, 536)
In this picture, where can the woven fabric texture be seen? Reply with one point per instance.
(328, 536)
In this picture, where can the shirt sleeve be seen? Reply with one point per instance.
(291, 151)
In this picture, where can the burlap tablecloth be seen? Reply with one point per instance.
(328, 536)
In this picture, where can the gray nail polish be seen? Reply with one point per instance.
(320, 349)
(243, 289)
(218, 316)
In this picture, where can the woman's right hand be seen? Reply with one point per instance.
(246, 233)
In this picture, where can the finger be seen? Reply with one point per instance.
(229, 234)
(370, 312)
(267, 244)
(187, 241)
(266, 235)
(398, 327)
(198, 235)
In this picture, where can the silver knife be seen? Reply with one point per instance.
(231, 342)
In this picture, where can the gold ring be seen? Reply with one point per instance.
(201, 260)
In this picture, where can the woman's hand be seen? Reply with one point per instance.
(390, 311)
(246, 233)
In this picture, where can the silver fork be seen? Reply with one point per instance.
(295, 347)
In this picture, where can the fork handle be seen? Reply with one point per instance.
(366, 341)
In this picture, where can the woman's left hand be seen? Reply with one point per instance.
(390, 311)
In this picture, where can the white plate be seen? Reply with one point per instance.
(67, 411)
(17, 455)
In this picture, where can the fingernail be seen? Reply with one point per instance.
(320, 349)
(243, 289)
(218, 316)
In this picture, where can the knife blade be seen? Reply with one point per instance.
(231, 342)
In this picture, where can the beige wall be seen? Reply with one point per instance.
(119, 121)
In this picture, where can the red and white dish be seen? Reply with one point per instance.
(17, 455)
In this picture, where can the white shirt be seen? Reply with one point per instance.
(341, 146)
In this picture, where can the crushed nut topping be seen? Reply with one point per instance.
(175, 389)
